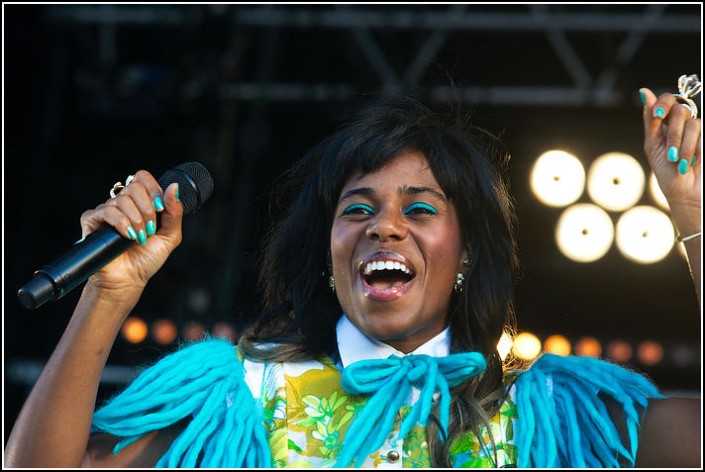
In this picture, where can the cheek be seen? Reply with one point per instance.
(444, 249)
(342, 244)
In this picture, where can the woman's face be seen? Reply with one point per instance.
(396, 249)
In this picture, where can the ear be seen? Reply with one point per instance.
(465, 261)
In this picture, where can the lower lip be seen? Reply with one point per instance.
(388, 294)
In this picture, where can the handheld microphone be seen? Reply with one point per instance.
(90, 254)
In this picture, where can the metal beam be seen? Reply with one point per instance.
(403, 18)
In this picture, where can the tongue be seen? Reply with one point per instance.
(387, 282)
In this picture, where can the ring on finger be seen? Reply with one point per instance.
(688, 103)
(688, 86)
(119, 186)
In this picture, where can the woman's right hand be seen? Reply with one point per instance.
(130, 213)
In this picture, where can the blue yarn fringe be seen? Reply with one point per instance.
(389, 382)
(563, 423)
(203, 382)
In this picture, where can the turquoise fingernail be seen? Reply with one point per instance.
(151, 228)
(158, 204)
(683, 166)
(131, 233)
(177, 192)
(673, 154)
(142, 237)
(643, 97)
(659, 112)
(692, 162)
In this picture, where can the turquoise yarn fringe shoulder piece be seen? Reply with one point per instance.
(389, 382)
(562, 422)
(203, 382)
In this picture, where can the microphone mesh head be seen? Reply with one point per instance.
(195, 184)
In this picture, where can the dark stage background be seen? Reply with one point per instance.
(93, 93)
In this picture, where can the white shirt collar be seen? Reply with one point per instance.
(353, 345)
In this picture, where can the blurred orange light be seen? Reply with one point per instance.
(619, 350)
(649, 352)
(164, 331)
(588, 347)
(557, 344)
(134, 330)
(224, 330)
(193, 331)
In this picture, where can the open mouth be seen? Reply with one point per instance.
(386, 276)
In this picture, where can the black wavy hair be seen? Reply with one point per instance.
(299, 310)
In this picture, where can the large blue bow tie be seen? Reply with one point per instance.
(389, 382)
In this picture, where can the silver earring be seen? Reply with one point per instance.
(459, 283)
(467, 261)
(331, 283)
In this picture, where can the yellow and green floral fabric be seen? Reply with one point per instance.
(307, 414)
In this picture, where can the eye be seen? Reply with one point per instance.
(420, 209)
(359, 209)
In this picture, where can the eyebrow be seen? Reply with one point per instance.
(405, 190)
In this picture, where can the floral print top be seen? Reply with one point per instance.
(307, 414)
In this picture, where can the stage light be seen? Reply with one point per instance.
(615, 181)
(557, 178)
(164, 331)
(504, 345)
(649, 353)
(584, 232)
(656, 193)
(134, 330)
(557, 344)
(645, 234)
(224, 330)
(526, 346)
(619, 350)
(588, 347)
(193, 331)
(683, 356)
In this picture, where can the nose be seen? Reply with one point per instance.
(387, 226)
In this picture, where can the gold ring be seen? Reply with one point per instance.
(119, 186)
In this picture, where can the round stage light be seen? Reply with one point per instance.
(645, 234)
(615, 181)
(193, 331)
(584, 232)
(224, 330)
(557, 178)
(134, 330)
(649, 353)
(619, 350)
(588, 347)
(656, 193)
(526, 346)
(164, 331)
(557, 344)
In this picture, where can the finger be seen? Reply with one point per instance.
(663, 105)
(689, 145)
(106, 213)
(173, 215)
(126, 204)
(652, 124)
(677, 119)
(142, 200)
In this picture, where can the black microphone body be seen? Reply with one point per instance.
(91, 253)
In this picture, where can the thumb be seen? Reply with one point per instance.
(173, 214)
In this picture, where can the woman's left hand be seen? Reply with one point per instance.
(673, 147)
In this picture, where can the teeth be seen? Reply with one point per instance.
(385, 265)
